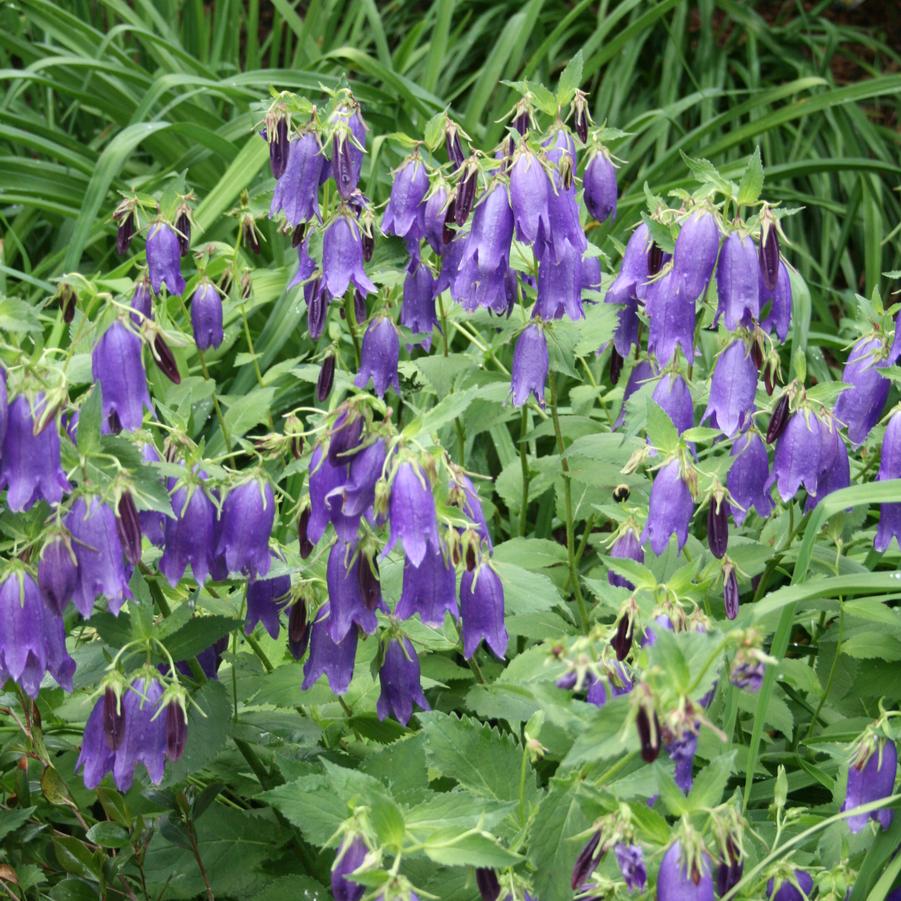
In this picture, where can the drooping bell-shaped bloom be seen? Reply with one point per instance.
(617, 683)
(860, 406)
(530, 366)
(379, 356)
(890, 468)
(733, 387)
(681, 750)
(681, 880)
(670, 508)
(560, 285)
(788, 890)
(404, 213)
(190, 537)
(297, 191)
(349, 145)
(306, 265)
(640, 375)
(428, 589)
(835, 467)
(141, 302)
(587, 861)
(673, 396)
(32, 637)
(695, 253)
(482, 611)
(357, 494)
(117, 367)
(102, 569)
(164, 258)
(599, 182)
(633, 270)
(206, 316)
(672, 320)
(266, 598)
(748, 478)
(399, 679)
(342, 258)
(472, 507)
(871, 778)
(778, 315)
(529, 189)
(58, 574)
(29, 463)
(347, 600)
(245, 526)
(630, 859)
(434, 212)
(411, 513)
(488, 245)
(325, 504)
(565, 234)
(350, 856)
(737, 281)
(334, 660)
(626, 547)
(417, 311)
(153, 523)
(798, 455)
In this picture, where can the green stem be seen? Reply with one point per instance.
(219, 417)
(351, 318)
(524, 466)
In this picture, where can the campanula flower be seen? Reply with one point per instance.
(530, 366)
(672, 320)
(560, 285)
(118, 369)
(297, 190)
(599, 183)
(164, 258)
(748, 478)
(797, 888)
(871, 777)
(798, 454)
(482, 611)
(334, 660)
(626, 547)
(737, 281)
(670, 508)
(379, 357)
(206, 316)
(245, 526)
(411, 513)
(695, 253)
(404, 213)
(733, 387)
(58, 574)
(266, 598)
(679, 879)
(417, 312)
(529, 189)
(860, 405)
(399, 680)
(673, 396)
(428, 589)
(890, 468)
(350, 856)
(776, 304)
(342, 258)
(348, 603)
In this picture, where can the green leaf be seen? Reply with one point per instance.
(208, 731)
(198, 634)
(245, 412)
(447, 846)
(88, 432)
(11, 820)
(570, 80)
(752, 180)
(710, 783)
(108, 835)
(310, 804)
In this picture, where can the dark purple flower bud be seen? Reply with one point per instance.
(673, 396)
(672, 320)
(670, 508)
(165, 359)
(125, 232)
(298, 629)
(29, 464)
(334, 660)
(306, 266)
(141, 302)
(4, 408)
(779, 317)
(245, 527)
(786, 890)
(266, 598)
(278, 147)
(529, 189)
(718, 527)
(640, 374)
(316, 299)
(297, 235)
(769, 259)
(860, 406)
(417, 312)
(176, 730)
(326, 378)
(399, 679)
(347, 161)
(631, 864)
(560, 285)
(117, 367)
(102, 569)
(890, 468)
(656, 258)
(453, 146)
(730, 869)
(342, 258)
(778, 420)
(798, 455)
(648, 734)
(57, 575)
(129, 526)
(164, 258)
(411, 511)
(682, 880)
(599, 182)
(871, 777)
(303, 533)
(587, 861)
(733, 387)
(482, 611)
(297, 190)
(349, 858)
(695, 253)
(622, 638)
(183, 232)
(731, 593)
(191, 536)
(249, 236)
(434, 215)
(360, 311)
(530, 366)
(404, 213)
(347, 601)
(616, 366)
(206, 316)
(113, 719)
(626, 547)
(737, 281)
(465, 196)
(379, 357)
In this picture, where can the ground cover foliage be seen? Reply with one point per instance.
(449, 450)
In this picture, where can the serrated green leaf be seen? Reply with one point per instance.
(570, 80)
(752, 180)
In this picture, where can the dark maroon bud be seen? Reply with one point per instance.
(278, 148)
(114, 423)
(769, 382)
(125, 232)
(718, 528)
(655, 258)
(470, 558)
(303, 525)
(616, 366)
(730, 593)
(586, 862)
(176, 730)
(128, 524)
(316, 309)
(466, 194)
(369, 581)
(622, 640)
(769, 259)
(621, 493)
(454, 147)
(249, 235)
(368, 242)
(113, 720)
(487, 884)
(778, 420)
(298, 629)
(297, 235)
(648, 734)
(757, 354)
(360, 310)
(581, 124)
(183, 232)
(297, 446)
(455, 553)
(326, 378)
(521, 121)
(165, 359)
(67, 298)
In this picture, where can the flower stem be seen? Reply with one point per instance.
(524, 465)
(351, 318)
(216, 407)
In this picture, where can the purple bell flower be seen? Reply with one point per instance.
(482, 611)
(58, 575)
(379, 356)
(102, 569)
(835, 467)
(626, 547)
(488, 244)
(871, 778)
(206, 316)
(631, 864)
(141, 302)
(786, 890)
(347, 600)
(672, 320)
(673, 396)
(695, 254)
(798, 455)
(682, 750)
(334, 660)
(890, 468)
(599, 182)
(347, 160)
(529, 189)
(748, 479)
(325, 481)
(633, 270)
(245, 527)
(472, 507)
(356, 495)
(860, 406)
(737, 281)
(417, 313)
(29, 464)
(560, 285)
(530, 366)
(164, 258)
(779, 316)
(117, 367)
(189, 537)
(434, 213)
(429, 590)
(399, 679)
(306, 265)
(266, 598)
(349, 858)
(678, 881)
(670, 508)
(472, 288)
(297, 191)
(342, 258)
(153, 523)
(32, 637)
(733, 387)
(404, 213)
(411, 512)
